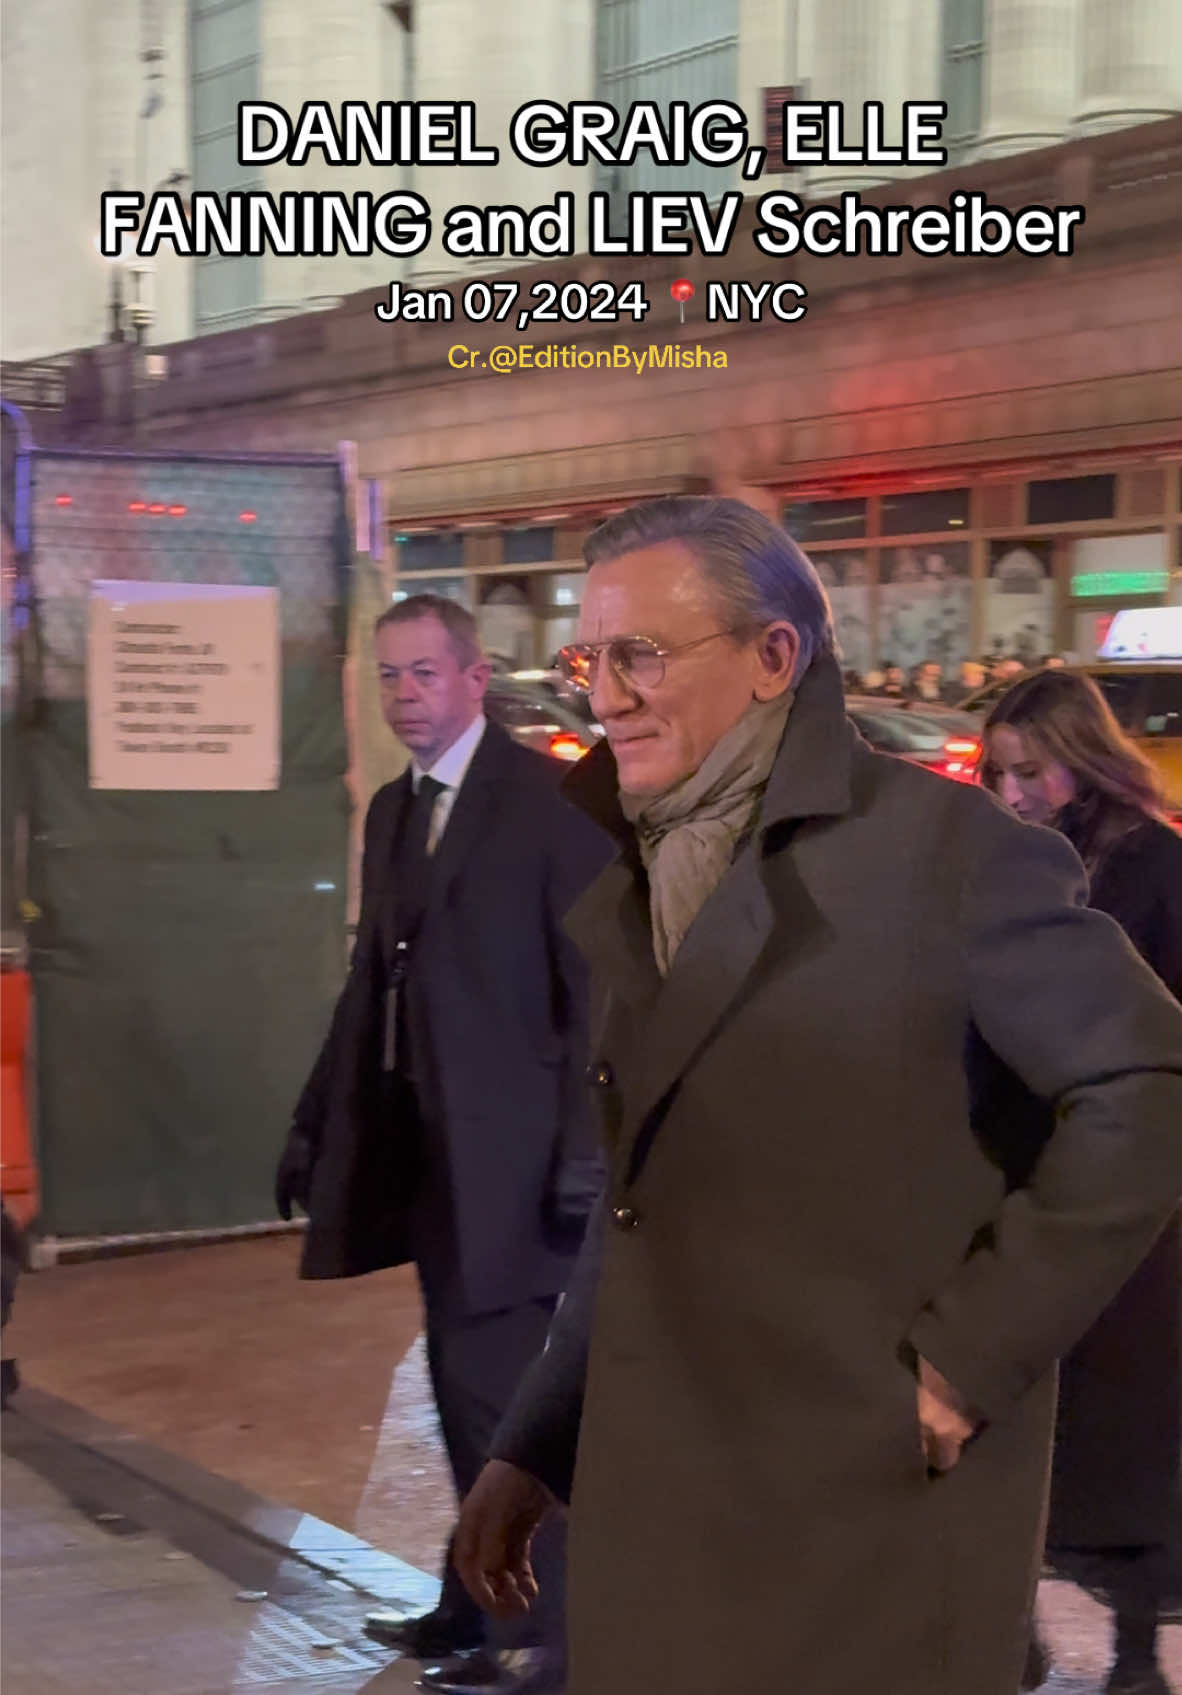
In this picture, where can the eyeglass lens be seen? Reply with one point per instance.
(634, 660)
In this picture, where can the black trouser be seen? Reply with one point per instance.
(476, 1365)
(476, 1362)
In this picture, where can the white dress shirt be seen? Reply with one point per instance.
(450, 769)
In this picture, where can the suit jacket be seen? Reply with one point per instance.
(497, 1003)
(814, 1178)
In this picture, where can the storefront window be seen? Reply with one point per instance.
(926, 605)
(1070, 500)
(1020, 601)
(527, 545)
(846, 577)
(506, 621)
(432, 550)
(825, 520)
(454, 588)
(920, 514)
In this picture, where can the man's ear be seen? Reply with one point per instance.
(777, 651)
(480, 674)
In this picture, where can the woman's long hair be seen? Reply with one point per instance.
(1065, 718)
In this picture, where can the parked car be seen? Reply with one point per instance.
(940, 739)
(536, 715)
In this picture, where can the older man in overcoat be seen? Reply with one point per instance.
(800, 1394)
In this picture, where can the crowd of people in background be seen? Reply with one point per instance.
(928, 683)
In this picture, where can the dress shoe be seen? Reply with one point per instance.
(1136, 1678)
(497, 1671)
(427, 1636)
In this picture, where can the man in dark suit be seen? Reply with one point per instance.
(446, 1119)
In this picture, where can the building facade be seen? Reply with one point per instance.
(138, 93)
(979, 455)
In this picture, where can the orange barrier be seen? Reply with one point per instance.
(18, 1168)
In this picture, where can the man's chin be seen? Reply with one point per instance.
(642, 773)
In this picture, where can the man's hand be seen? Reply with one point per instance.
(293, 1180)
(946, 1421)
(497, 1525)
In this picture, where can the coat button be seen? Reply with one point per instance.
(600, 1075)
(625, 1218)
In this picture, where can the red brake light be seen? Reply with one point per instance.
(566, 745)
(177, 511)
(248, 517)
(157, 507)
(961, 754)
(63, 500)
(137, 506)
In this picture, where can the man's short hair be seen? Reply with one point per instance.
(456, 620)
(758, 573)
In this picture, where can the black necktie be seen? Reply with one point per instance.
(414, 862)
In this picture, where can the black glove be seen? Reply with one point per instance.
(572, 1194)
(293, 1180)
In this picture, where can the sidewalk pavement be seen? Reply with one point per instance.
(124, 1573)
(224, 1385)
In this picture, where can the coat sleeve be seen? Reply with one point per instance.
(311, 1109)
(1064, 1000)
(540, 1431)
(578, 853)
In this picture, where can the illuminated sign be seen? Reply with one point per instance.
(1155, 633)
(1092, 585)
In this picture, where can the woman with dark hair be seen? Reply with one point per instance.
(1057, 756)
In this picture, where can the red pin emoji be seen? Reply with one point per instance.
(682, 290)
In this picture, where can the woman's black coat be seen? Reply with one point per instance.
(1115, 1477)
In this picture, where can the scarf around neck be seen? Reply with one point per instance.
(688, 836)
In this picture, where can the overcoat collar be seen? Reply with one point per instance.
(810, 779)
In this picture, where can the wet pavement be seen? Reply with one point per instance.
(200, 1426)
(312, 1394)
(95, 1601)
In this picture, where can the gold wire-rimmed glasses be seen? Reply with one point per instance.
(638, 661)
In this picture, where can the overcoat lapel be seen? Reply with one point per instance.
(712, 964)
(811, 778)
(471, 813)
(609, 923)
(385, 869)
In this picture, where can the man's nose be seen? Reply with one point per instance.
(609, 696)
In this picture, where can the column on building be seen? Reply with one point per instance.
(768, 55)
(110, 66)
(1130, 63)
(1029, 75)
(857, 51)
(356, 54)
(500, 57)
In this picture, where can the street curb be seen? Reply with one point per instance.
(289, 1533)
(45, 1252)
